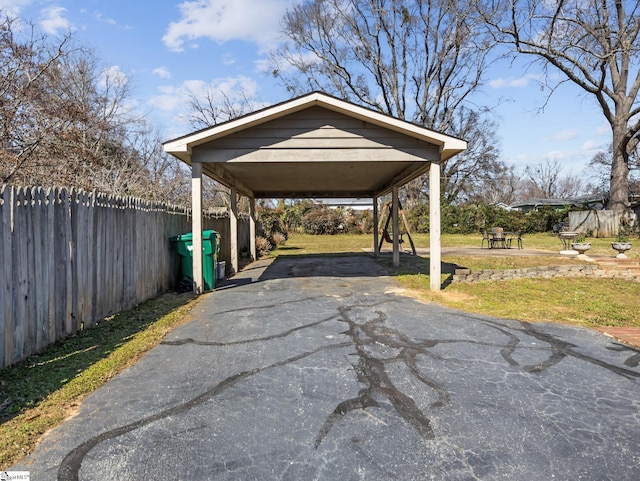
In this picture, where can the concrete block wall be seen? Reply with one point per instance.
(566, 271)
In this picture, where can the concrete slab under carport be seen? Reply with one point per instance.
(319, 368)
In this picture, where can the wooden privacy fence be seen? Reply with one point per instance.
(70, 258)
(602, 223)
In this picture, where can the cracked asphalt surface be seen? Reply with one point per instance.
(318, 368)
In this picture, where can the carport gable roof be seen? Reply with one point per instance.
(314, 146)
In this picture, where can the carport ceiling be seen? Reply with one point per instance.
(314, 146)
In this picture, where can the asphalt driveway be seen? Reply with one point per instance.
(318, 368)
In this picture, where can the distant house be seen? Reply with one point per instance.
(502, 205)
(357, 205)
(595, 202)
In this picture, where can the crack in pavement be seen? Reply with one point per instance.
(267, 306)
(70, 467)
(559, 348)
(188, 340)
(631, 361)
(371, 371)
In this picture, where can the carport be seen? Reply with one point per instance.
(315, 146)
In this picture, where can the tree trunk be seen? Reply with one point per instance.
(619, 187)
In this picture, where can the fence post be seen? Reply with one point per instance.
(6, 283)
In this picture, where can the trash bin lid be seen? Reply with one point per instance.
(182, 237)
(207, 234)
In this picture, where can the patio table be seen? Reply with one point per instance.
(499, 238)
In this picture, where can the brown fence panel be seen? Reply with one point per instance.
(603, 223)
(71, 258)
(6, 282)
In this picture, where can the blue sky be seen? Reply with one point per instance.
(168, 49)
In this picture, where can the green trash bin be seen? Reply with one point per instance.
(184, 246)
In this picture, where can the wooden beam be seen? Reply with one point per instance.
(233, 220)
(221, 175)
(313, 154)
(312, 194)
(407, 175)
(376, 249)
(252, 229)
(434, 227)
(395, 227)
(196, 226)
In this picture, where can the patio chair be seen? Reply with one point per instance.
(518, 238)
(485, 237)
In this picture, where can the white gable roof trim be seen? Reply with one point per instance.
(182, 146)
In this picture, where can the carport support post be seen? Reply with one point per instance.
(395, 228)
(233, 228)
(252, 229)
(434, 226)
(196, 226)
(376, 251)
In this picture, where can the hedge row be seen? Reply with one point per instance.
(466, 219)
(473, 218)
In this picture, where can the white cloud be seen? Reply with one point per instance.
(262, 65)
(229, 59)
(169, 99)
(53, 20)
(566, 135)
(12, 8)
(604, 129)
(256, 21)
(591, 146)
(162, 72)
(174, 98)
(108, 20)
(516, 82)
(113, 77)
(558, 155)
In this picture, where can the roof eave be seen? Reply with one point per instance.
(449, 146)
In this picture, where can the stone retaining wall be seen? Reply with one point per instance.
(545, 272)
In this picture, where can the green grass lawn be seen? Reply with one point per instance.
(309, 244)
(39, 393)
(586, 302)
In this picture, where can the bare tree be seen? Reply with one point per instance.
(27, 63)
(64, 120)
(545, 181)
(418, 60)
(473, 170)
(601, 168)
(216, 105)
(94, 141)
(471, 174)
(504, 187)
(595, 44)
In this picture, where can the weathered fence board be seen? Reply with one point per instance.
(71, 258)
(602, 223)
(6, 283)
